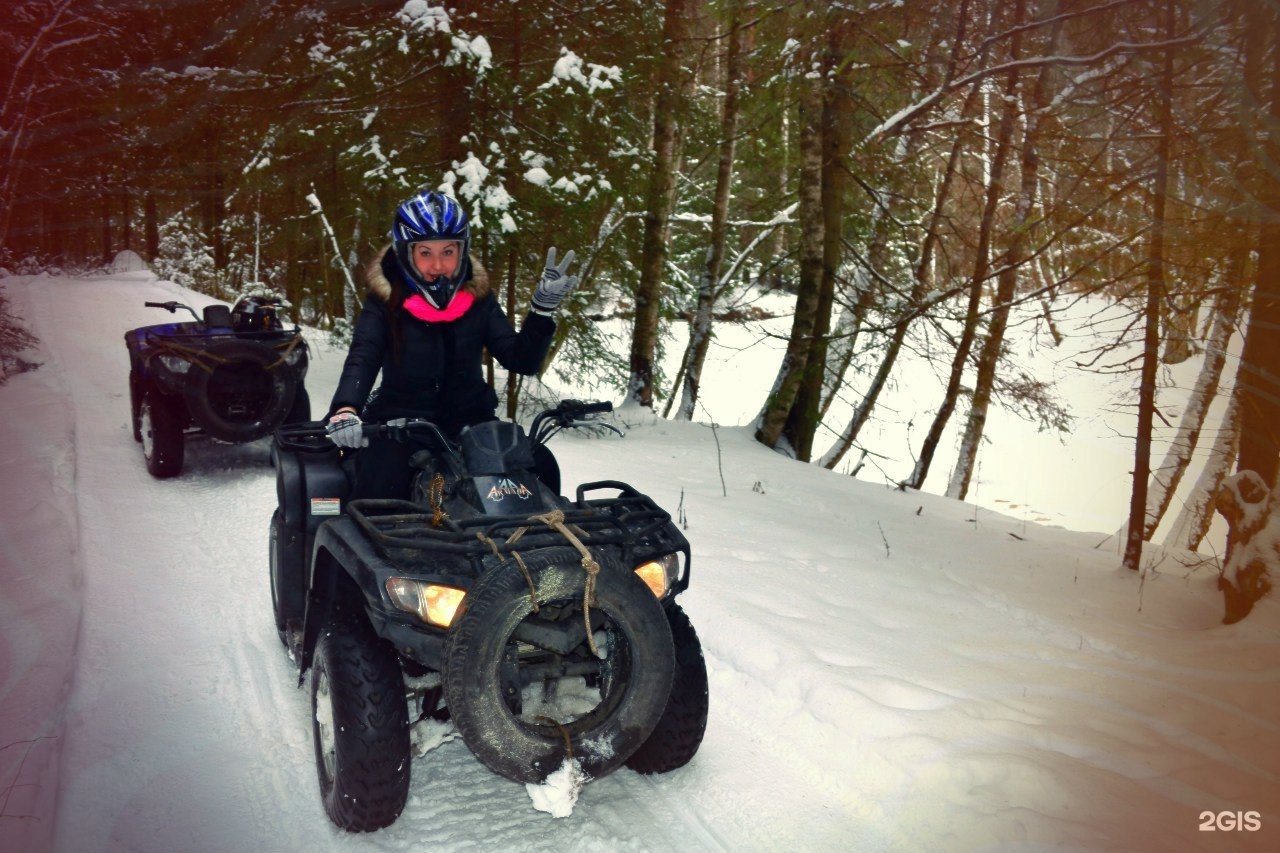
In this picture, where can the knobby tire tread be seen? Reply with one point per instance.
(371, 779)
(679, 733)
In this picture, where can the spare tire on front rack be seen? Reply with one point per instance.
(240, 390)
(504, 645)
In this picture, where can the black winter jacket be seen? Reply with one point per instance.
(437, 372)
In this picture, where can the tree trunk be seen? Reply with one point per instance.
(1251, 509)
(151, 227)
(791, 372)
(106, 222)
(982, 267)
(805, 414)
(1167, 477)
(513, 379)
(922, 271)
(126, 214)
(919, 287)
(844, 337)
(1258, 376)
(672, 77)
(1155, 298)
(1007, 281)
(700, 324)
(1196, 516)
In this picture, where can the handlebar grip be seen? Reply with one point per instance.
(154, 304)
(595, 408)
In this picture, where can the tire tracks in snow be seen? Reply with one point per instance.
(175, 623)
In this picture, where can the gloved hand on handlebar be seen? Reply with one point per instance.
(346, 430)
(554, 285)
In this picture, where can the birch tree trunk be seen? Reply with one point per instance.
(1196, 515)
(700, 325)
(659, 198)
(1007, 280)
(786, 386)
(982, 268)
(1167, 477)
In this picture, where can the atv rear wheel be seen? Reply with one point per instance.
(160, 428)
(504, 665)
(679, 733)
(360, 725)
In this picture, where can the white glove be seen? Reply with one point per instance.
(554, 285)
(346, 430)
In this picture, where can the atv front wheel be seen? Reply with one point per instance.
(160, 428)
(360, 725)
(524, 688)
(679, 733)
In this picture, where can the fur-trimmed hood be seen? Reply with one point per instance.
(380, 286)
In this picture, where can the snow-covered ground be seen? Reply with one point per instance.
(888, 670)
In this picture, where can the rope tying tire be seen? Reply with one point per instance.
(571, 533)
(528, 578)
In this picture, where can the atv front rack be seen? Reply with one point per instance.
(630, 521)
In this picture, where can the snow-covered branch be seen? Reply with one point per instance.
(896, 122)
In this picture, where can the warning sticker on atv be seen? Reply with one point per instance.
(505, 493)
(326, 506)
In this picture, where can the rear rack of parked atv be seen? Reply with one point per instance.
(629, 520)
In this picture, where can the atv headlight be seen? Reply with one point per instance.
(432, 603)
(660, 574)
(175, 363)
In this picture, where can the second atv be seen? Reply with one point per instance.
(232, 373)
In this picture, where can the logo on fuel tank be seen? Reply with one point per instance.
(505, 487)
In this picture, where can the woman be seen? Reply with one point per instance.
(425, 324)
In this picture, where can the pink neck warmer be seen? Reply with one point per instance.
(423, 310)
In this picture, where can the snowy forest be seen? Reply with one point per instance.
(910, 171)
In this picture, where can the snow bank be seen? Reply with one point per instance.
(40, 601)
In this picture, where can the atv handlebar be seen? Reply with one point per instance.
(404, 429)
(568, 414)
(172, 307)
(589, 408)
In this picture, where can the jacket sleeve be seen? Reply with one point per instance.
(523, 351)
(369, 343)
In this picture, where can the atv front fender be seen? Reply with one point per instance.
(346, 570)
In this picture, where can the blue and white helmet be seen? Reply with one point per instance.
(431, 216)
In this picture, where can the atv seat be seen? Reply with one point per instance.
(217, 318)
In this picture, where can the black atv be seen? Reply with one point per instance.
(234, 374)
(546, 628)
